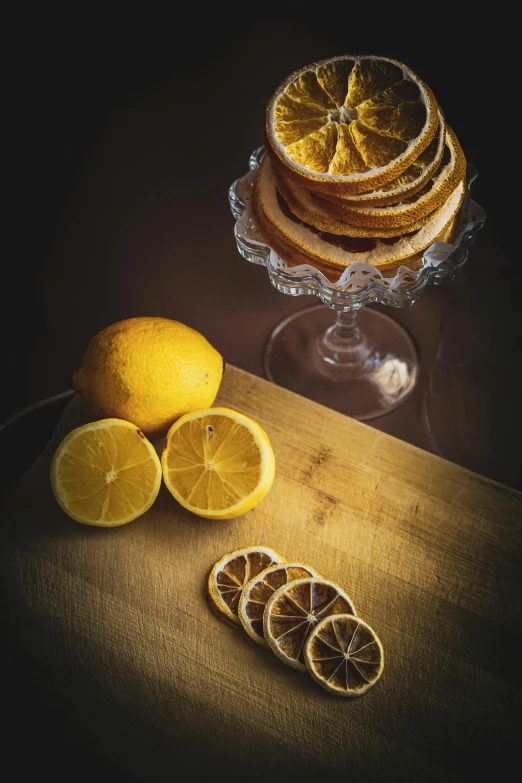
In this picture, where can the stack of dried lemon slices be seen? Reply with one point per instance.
(361, 167)
(308, 621)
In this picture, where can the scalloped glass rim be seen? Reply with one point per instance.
(360, 283)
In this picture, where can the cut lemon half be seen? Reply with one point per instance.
(344, 655)
(258, 591)
(349, 124)
(230, 574)
(274, 218)
(217, 463)
(105, 473)
(294, 609)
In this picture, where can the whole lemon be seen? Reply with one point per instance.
(148, 371)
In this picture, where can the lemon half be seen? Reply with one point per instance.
(218, 463)
(105, 473)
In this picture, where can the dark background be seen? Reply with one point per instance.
(161, 114)
(78, 79)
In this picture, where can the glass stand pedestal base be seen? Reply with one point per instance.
(363, 364)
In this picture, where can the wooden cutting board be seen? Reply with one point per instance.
(429, 553)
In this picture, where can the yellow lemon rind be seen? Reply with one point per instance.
(149, 371)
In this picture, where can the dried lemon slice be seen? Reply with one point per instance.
(349, 124)
(294, 609)
(259, 590)
(274, 219)
(332, 270)
(344, 655)
(404, 213)
(230, 574)
(105, 473)
(418, 173)
(323, 215)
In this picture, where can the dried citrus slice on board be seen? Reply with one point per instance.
(294, 609)
(230, 574)
(350, 123)
(105, 473)
(274, 218)
(344, 655)
(217, 463)
(258, 591)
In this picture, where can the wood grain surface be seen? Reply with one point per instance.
(429, 553)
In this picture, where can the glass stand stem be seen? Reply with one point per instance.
(344, 347)
(362, 363)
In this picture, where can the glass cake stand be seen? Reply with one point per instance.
(353, 359)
